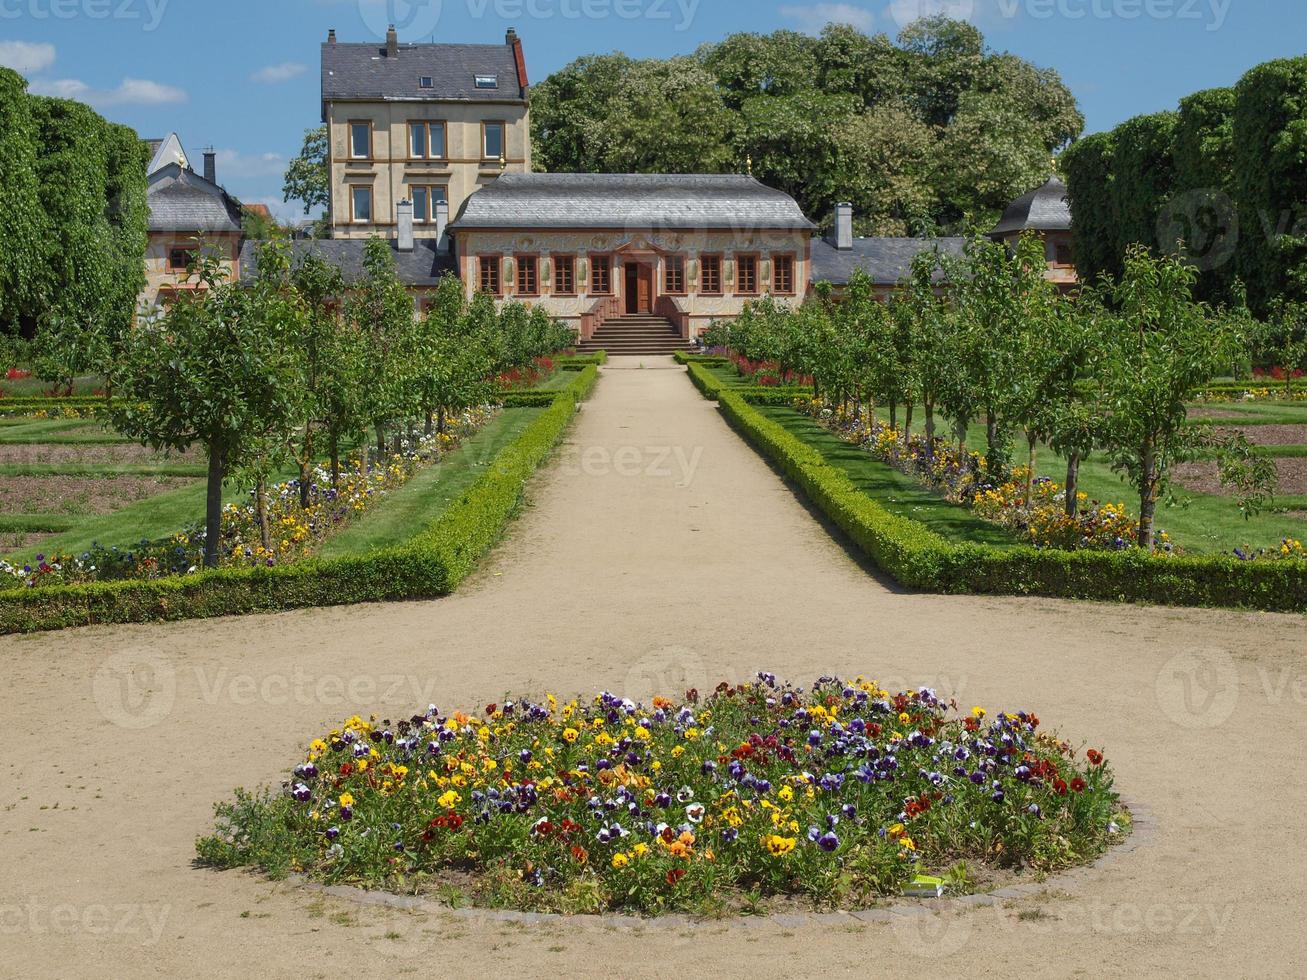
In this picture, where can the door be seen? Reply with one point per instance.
(639, 287)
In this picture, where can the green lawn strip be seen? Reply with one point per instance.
(425, 497)
(898, 493)
(87, 384)
(107, 470)
(36, 523)
(1291, 502)
(557, 381)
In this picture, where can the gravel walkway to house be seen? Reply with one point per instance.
(660, 553)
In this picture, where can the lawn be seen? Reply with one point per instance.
(1200, 523)
(425, 497)
(896, 492)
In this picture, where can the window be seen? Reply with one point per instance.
(1064, 256)
(425, 197)
(426, 82)
(712, 274)
(360, 140)
(361, 204)
(528, 275)
(674, 274)
(487, 81)
(601, 274)
(565, 275)
(492, 141)
(489, 277)
(179, 259)
(746, 273)
(426, 141)
(783, 274)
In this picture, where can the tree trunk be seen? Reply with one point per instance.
(1147, 496)
(1030, 466)
(930, 429)
(442, 421)
(907, 422)
(430, 429)
(335, 461)
(213, 508)
(261, 512)
(1073, 485)
(894, 416)
(306, 468)
(381, 442)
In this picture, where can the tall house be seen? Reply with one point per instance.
(426, 123)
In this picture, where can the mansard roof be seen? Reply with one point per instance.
(180, 200)
(888, 261)
(1045, 208)
(365, 72)
(687, 202)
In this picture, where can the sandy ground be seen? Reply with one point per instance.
(660, 553)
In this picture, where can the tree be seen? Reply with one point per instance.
(127, 210)
(216, 371)
(308, 177)
(454, 358)
(1089, 168)
(1161, 346)
(22, 243)
(381, 310)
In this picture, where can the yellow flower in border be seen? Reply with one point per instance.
(570, 735)
(620, 861)
(346, 799)
(778, 846)
(449, 800)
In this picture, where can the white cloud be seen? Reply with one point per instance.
(906, 12)
(131, 91)
(25, 57)
(274, 74)
(815, 16)
(233, 163)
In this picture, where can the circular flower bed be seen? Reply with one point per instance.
(835, 795)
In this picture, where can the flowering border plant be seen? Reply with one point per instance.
(834, 795)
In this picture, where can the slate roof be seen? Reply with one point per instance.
(637, 201)
(1043, 209)
(423, 266)
(888, 261)
(362, 71)
(181, 200)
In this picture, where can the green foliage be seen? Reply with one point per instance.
(1270, 166)
(433, 563)
(917, 558)
(1089, 168)
(1144, 178)
(917, 134)
(308, 178)
(22, 244)
(1201, 220)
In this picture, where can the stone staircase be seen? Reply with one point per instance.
(642, 334)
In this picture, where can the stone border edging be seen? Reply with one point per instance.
(1142, 834)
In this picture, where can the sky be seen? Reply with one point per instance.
(242, 76)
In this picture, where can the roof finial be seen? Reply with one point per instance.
(749, 164)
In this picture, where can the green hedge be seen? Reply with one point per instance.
(919, 558)
(707, 360)
(432, 564)
(711, 386)
(575, 362)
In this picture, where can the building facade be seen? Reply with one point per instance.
(427, 123)
(186, 209)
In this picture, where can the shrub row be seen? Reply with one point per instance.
(711, 386)
(707, 360)
(25, 405)
(919, 558)
(431, 564)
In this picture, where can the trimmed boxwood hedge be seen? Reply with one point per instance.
(712, 387)
(431, 564)
(919, 558)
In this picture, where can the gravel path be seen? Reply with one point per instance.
(660, 553)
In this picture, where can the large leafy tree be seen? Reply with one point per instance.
(21, 215)
(308, 177)
(216, 371)
(917, 134)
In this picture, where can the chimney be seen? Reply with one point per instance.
(844, 227)
(519, 58)
(392, 42)
(405, 222)
(442, 226)
(331, 36)
(511, 38)
(210, 165)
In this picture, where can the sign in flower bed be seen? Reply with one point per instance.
(834, 796)
(295, 532)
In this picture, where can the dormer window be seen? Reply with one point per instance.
(487, 81)
(426, 82)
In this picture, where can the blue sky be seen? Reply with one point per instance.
(242, 75)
